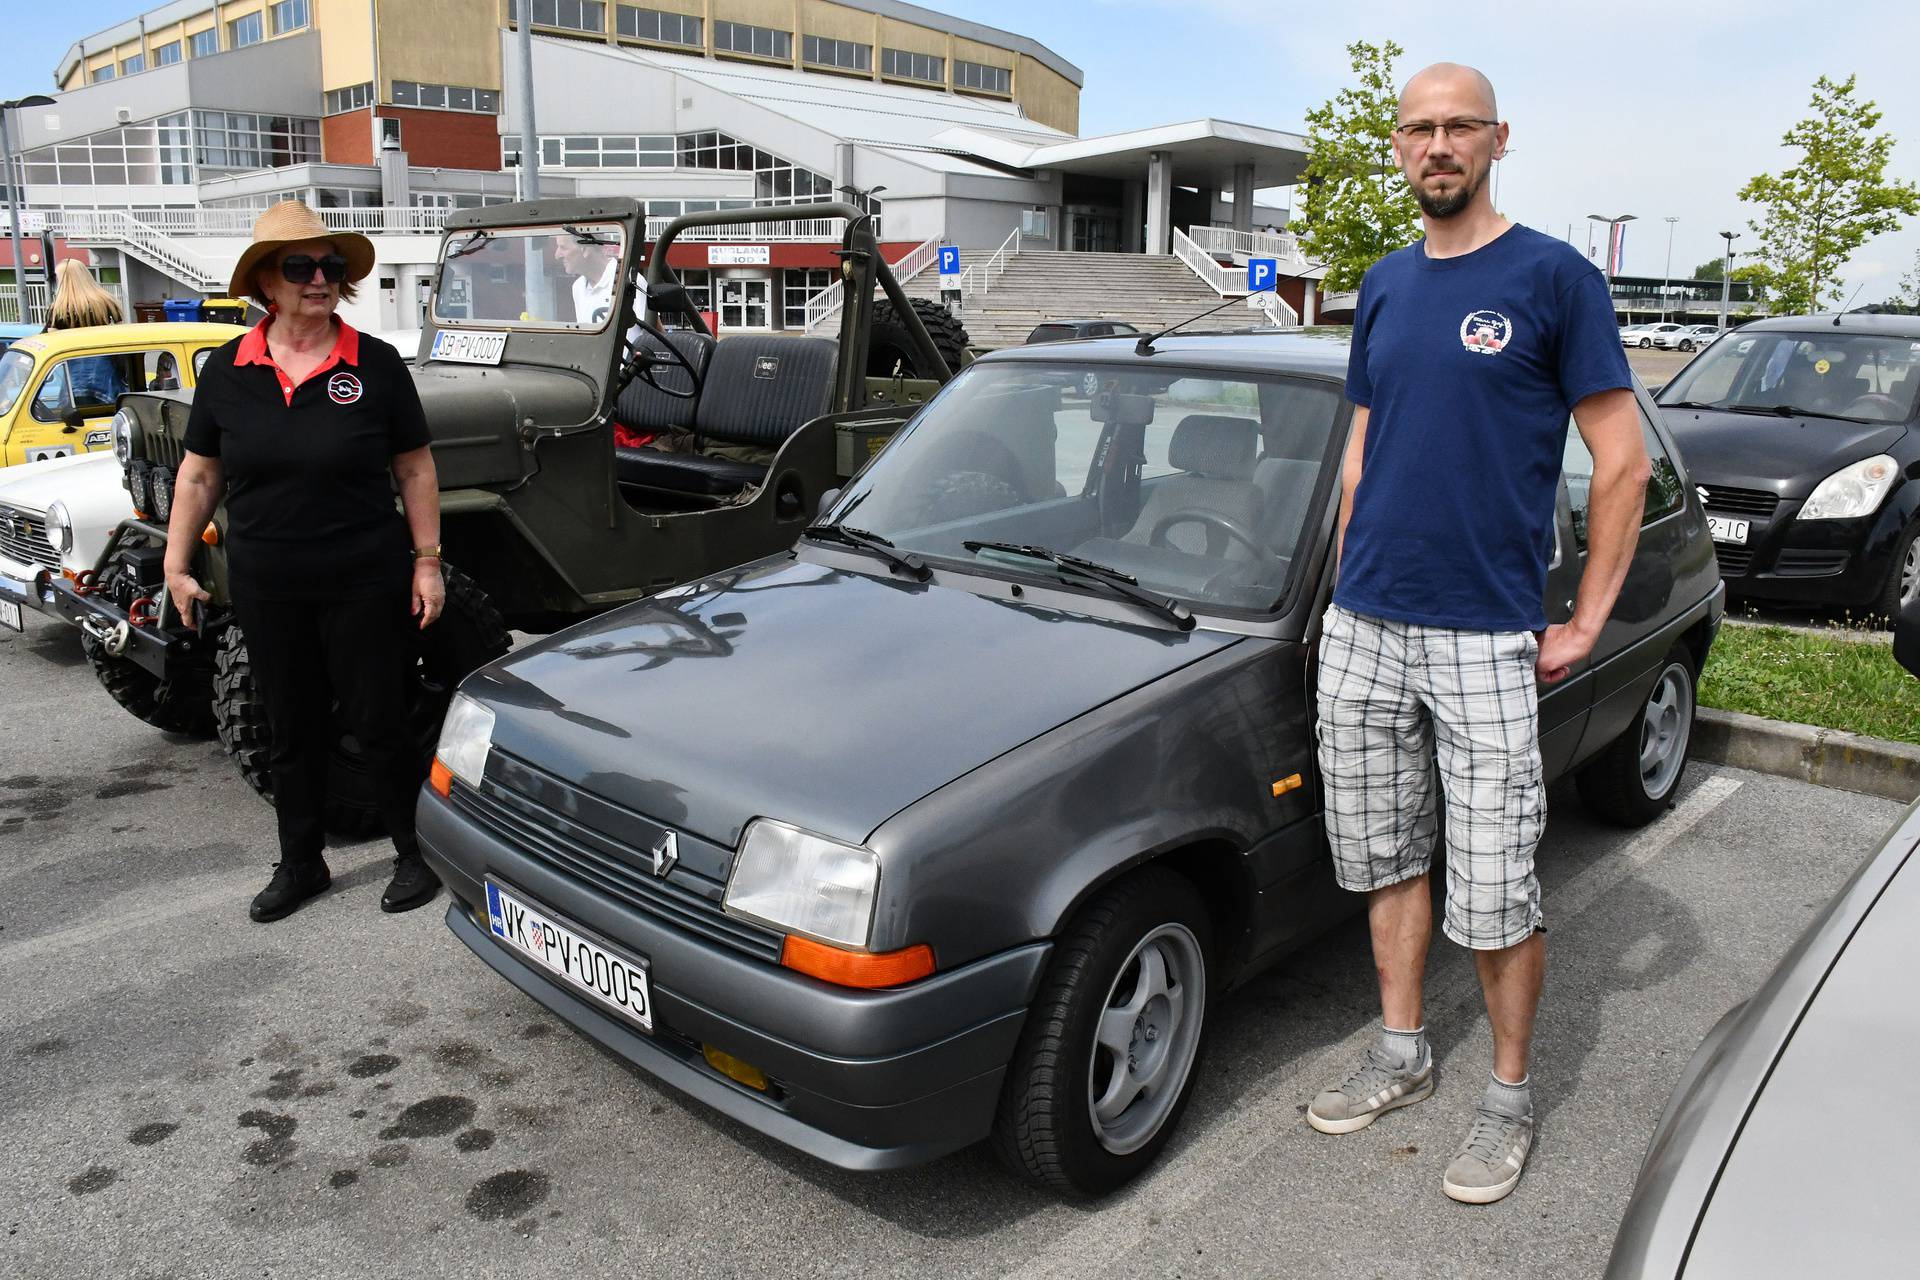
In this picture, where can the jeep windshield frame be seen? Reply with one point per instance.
(552, 277)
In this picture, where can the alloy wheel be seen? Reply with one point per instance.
(1664, 730)
(1148, 1033)
(1910, 573)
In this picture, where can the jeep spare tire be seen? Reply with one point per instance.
(891, 352)
(467, 635)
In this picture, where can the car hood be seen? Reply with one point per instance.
(1787, 456)
(821, 697)
(32, 486)
(1829, 1143)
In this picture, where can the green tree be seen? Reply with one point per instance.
(1711, 269)
(1908, 292)
(1817, 212)
(1358, 208)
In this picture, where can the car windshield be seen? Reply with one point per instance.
(1871, 377)
(15, 367)
(564, 277)
(1199, 486)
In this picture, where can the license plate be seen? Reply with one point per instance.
(559, 947)
(10, 616)
(1725, 529)
(468, 346)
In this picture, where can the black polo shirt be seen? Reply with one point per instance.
(310, 499)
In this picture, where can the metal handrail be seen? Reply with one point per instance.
(1261, 244)
(1203, 264)
(827, 302)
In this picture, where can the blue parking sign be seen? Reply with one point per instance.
(1262, 274)
(949, 260)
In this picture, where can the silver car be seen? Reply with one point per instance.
(1787, 1148)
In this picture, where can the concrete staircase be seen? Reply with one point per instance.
(1149, 292)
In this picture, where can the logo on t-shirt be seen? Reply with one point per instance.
(344, 388)
(1485, 333)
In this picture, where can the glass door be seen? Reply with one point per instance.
(744, 304)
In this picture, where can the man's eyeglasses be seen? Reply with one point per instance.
(1465, 129)
(298, 268)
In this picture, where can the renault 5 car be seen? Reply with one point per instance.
(952, 822)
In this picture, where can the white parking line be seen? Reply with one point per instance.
(1241, 1134)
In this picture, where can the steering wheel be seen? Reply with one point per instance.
(1873, 400)
(1233, 532)
(640, 362)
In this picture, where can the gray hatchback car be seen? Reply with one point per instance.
(951, 823)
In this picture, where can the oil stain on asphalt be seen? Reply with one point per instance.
(368, 1065)
(507, 1195)
(148, 1134)
(432, 1118)
(276, 1146)
(100, 1177)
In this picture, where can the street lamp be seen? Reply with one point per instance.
(1666, 283)
(1726, 277)
(13, 195)
(1613, 229)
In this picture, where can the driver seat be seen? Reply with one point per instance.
(1214, 456)
(643, 407)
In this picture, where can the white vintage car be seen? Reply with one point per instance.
(55, 516)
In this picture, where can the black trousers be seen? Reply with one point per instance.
(325, 667)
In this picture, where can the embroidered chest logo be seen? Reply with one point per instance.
(343, 388)
(1486, 333)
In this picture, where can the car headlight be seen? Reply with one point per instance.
(791, 879)
(465, 738)
(60, 527)
(123, 437)
(160, 489)
(1852, 491)
(137, 489)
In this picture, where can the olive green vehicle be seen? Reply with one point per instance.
(523, 370)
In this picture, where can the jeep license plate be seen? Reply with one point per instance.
(559, 947)
(468, 346)
(10, 616)
(1725, 529)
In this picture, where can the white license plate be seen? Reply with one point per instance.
(1725, 529)
(468, 346)
(10, 616)
(583, 964)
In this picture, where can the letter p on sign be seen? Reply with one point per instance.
(1262, 274)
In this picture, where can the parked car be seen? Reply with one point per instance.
(12, 333)
(1696, 336)
(1066, 330)
(1725, 1189)
(58, 389)
(55, 518)
(1635, 335)
(1665, 336)
(1044, 784)
(1800, 430)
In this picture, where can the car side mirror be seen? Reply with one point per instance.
(74, 420)
(1906, 636)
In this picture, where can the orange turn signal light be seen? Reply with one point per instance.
(1292, 782)
(440, 778)
(210, 535)
(865, 969)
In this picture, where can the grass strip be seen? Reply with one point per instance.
(1784, 674)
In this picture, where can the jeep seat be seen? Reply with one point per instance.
(758, 390)
(643, 407)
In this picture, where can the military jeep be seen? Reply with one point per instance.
(539, 337)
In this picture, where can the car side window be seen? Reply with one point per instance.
(1576, 467)
(91, 384)
(55, 397)
(200, 361)
(1664, 492)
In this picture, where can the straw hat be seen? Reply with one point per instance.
(291, 222)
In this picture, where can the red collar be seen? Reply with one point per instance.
(254, 350)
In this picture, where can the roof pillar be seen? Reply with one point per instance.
(1243, 197)
(1159, 201)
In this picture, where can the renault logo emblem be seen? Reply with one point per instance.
(666, 854)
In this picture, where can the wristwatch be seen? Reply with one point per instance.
(427, 553)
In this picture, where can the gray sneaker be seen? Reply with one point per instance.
(1490, 1160)
(1383, 1082)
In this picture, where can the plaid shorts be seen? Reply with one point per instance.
(1394, 696)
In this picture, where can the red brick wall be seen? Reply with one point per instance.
(347, 138)
(443, 139)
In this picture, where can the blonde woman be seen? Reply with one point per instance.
(80, 303)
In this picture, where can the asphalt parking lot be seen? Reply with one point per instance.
(190, 1094)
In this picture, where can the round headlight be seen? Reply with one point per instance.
(123, 437)
(160, 485)
(137, 488)
(60, 528)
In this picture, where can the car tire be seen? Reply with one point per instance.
(467, 635)
(1050, 1126)
(1903, 575)
(1634, 779)
(891, 346)
(1686, 344)
(182, 705)
(1645, 343)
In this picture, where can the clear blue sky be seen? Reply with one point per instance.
(1615, 108)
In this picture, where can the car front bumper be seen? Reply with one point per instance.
(1821, 562)
(27, 585)
(864, 1080)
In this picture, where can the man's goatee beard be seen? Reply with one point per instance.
(1446, 206)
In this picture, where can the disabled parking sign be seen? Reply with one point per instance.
(949, 267)
(1263, 274)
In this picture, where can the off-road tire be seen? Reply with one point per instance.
(467, 635)
(891, 346)
(1043, 1129)
(1613, 785)
(182, 705)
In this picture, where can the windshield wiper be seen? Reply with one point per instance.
(1121, 584)
(908, 563)
(1688, 404)
(586, 237)
(1790, 411)
(474, 244)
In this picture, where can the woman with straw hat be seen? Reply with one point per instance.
(306, 427)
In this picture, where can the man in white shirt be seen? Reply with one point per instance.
(596, 269)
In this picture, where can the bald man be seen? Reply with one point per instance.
(1470, 350)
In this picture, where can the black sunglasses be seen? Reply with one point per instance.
(298, 268)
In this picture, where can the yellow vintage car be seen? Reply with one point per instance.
(57, 389)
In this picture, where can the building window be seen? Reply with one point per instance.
(204, 43)
(699, 286)
(242, 32)
(822, 52)
(150, 153)
(133, 66)
(799, 286)
(636, 23)
(913, 66)
(167, 54)
(102, 74)
(568, 15)
(289, 15)
(446, 97)
(978, 75)
(351, 98)
(243, 140)
(762, 42)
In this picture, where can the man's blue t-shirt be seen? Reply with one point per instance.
(1469, 368)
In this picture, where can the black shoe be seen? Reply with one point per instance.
(292, 884)
(413, 884)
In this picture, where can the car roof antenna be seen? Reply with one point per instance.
(1843, 311)
(1144, 347)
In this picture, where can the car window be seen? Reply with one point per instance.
(1664, 492)
(200, 361)
(1870, 377)
(16, 367)
(91, 384)
(1050, 333)
(55, 396)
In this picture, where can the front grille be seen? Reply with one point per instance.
(682, 900)
(1733, 560)
(1740, 502)
(23, 537)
